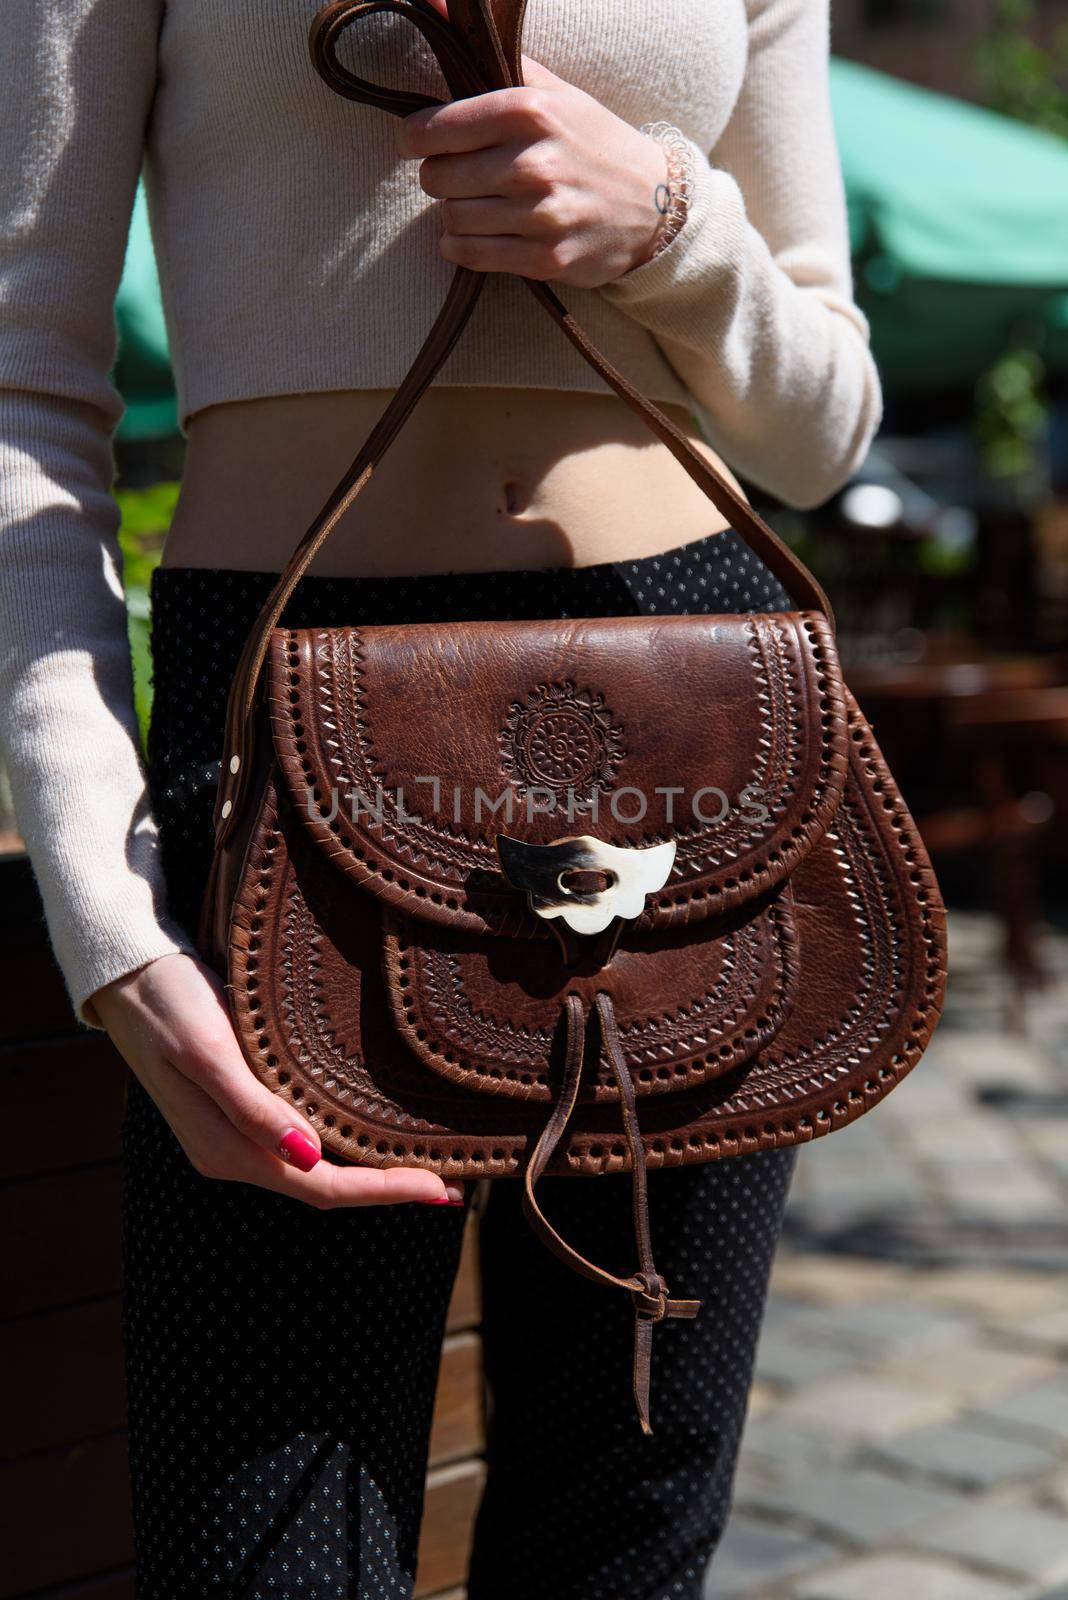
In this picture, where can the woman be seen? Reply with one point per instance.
(283, 1330)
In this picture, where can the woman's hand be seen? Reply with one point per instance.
(169, 1021)
(540, 180)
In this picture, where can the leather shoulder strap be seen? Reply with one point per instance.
(478, 49)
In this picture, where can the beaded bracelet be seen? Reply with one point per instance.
(672, 198)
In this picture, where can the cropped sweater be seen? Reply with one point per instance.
(297, 253)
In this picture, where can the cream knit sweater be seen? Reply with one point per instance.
(296, 253)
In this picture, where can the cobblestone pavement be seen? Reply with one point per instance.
(908, 1436)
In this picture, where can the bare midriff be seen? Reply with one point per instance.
(479, 479)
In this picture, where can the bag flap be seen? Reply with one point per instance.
(407, 749)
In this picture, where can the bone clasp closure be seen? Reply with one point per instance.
(544, 871)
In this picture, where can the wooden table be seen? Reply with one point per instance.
(978, 717)
(952, 676)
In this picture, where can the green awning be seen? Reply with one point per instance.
(958, 220)
(143, 368)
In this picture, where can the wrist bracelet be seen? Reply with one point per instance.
(672, 198)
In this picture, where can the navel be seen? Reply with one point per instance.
(511, 497)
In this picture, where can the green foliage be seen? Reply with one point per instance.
(1019, 76)
(1011, 413)
(146, 516)
(1022, 78)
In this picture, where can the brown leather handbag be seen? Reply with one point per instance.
(589, 896)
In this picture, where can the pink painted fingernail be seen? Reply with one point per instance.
(298, 1151)
(437, 1200)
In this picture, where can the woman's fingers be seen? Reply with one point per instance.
(216, 1065)
(289, 1146)
(204, 1048)
(330, 1185)
(530, 258)
(219, 1150)
(276, 1149)
(475, 123)
(495, 215)
(592, 184)
(525, 171)
(171, 1023)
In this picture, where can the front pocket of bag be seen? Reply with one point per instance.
(691, 1003)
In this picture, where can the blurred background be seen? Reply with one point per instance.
(908, 1435)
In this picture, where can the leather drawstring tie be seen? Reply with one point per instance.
(647, 1289)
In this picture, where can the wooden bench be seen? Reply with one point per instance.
(63, 1474)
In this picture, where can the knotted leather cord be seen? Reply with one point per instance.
(478, 50)
(647, 1289)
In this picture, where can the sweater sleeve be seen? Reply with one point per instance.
(79, 77)
(752, 301)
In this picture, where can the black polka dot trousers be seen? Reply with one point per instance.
(281, 1362)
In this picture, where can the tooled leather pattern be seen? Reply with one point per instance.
(337, 731)
(690, 1005)
(564, 740)
(871, 932)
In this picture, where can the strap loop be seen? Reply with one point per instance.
(647, 1289)
(459, 70)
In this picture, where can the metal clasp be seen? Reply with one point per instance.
(542, 870)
